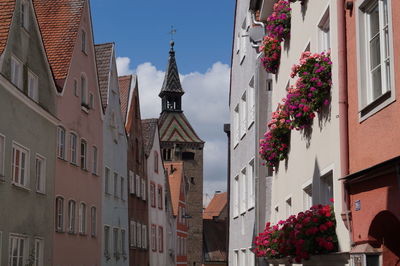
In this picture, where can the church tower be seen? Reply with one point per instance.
(179, 142)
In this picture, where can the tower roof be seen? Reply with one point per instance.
(172, 83)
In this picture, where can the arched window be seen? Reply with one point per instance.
(82, 218)
(71, 216)
(59, 214)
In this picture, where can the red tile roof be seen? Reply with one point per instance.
(6, 14)
(104, 53)
(175, 178)
(216, 206)
(149, 127)
(124, 91)
(59, 22)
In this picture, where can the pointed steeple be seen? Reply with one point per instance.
(171, 90)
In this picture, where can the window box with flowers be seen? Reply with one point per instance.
(301, 236)
(271, 48)
(278, 23)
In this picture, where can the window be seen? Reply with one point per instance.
(288, 207)
(138, 235)
(243, 191)
(106, 241)
(375, 45)
(235, 258)
(143, 189)
(18, 250)
(93, 219)
(115, 243)
(160, 196)
(251, 103)
(160, 239)
(39, 252)
(91, 101)
(84, 41)
(16, 72)
(236, 132)
(116, 185)
(71, 216)
(243, 257)
(73, 143)
(40, 174)
(155, 162)
(82, 218)
(243, 115)
(122, 187)
(152, 195)
(59, 214)
(250, 185)
(20, 166)
(167, 154)
(107, 180)
(153, 237)
(243, 41)
(83, 154)
(76, 93)
(251, 259)
(137, 182)
(326, 188)
(2, 152)
(83, 91)
(61, 143)
(307, 197)
(123, 249)
(132, 233)
(131, 182)
(33, 86)
(236, 196)
(144, 236)
(94, 170)
(324, 38)
(25, 15)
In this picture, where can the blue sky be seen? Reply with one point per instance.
(140, 30)
(203, 45)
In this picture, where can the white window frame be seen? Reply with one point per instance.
(25, 15)
(33, 86)
(2, 155)
(324, 194)
(59, 212)
(16, 66)
(95, 153)
(242, 257)
(251, 258)
(307, 197)
(243, 191)
(73, 150)
(61, 142)
(132, 232)
(17, 181)
(243, 115)
(144, 236)
(138, 235)
(122, 186)
(251, 104)
(82, 218)
(367, 105)
(143, 189)
(107, 173)
(131, 182)
(115, 183)
(84, 89)
(41, 176)
(138, 186)
(93, 221)
(107, 241)
(250, 175)
(25, 250)
(236, 197)
(236, 126)
(153, 238)
(71, 216)
(324, 34)
(236, 257)
(83, 154)
(38, 254)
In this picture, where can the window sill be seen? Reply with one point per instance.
(21, 187)
(74, 164)
(41, 193)
(2, 178)
(85, 108)
(82, 234)
(72, 233)
(251, 125)
(376, 106)
(62, 159)
(251, 208)
(242, 137)
(235, 217)
(95, 174)
(60, 231)
(235, 145)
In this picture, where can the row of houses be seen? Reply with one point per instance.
(83, 179)
(346, 152)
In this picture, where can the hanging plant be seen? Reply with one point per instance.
(278, 23)
(275, 145)
(308, 233)
(272, 54)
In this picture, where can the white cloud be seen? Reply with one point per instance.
(205, 103)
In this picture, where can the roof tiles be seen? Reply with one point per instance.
(216, 205)
(104, 54)
(124, 91)
(175, 179)
(149, 127)
(6, 14)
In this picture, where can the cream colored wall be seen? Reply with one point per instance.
(306, 163)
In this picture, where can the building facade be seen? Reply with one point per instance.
(179, 142)
(137, 172)
(28, 127)
(115, 181)
(372, 185)
(79, 164)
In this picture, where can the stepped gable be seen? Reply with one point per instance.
(175, 179)
(59, 22)
(174, 127)
(6, 14)
(216, 206)
(104, 54)
(172, 81)
(124, 92)
(149, 127)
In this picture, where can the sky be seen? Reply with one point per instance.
(203, 45)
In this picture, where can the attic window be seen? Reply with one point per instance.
(24, 15)
(167, 154)
(187, 156)
(84, 41)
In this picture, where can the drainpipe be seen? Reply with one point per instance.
(343, 111)
(259, 23)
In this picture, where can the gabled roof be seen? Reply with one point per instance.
(149, 127)
(214, 241)
(59, 22)
(175, 179)
(216, 206)
(171, 82)
(6, 14)
(175, 127)
(104, 53)
(124, 92)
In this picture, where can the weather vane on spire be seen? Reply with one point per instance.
(172, 32)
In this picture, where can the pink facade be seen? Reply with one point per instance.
(80, 246)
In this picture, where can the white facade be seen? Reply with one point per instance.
(158, 227)
(115, 232)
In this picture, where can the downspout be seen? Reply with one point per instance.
(343, 112)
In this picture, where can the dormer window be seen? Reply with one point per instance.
(83, 91)
(24, 15)
(33, 88)
(84, 41)
(16, 72)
